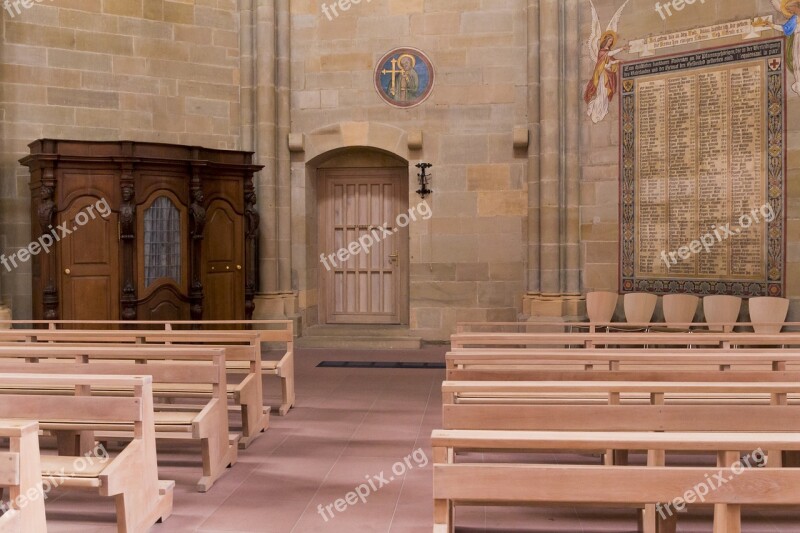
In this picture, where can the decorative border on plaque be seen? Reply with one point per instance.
(772, 283)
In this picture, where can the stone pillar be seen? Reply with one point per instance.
(533, 150)
(573, 110)
(553, 165)
(275, 298)
(284, 194)
(247, 110)
(550, 147)
(265, 50)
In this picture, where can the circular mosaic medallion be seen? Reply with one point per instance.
(404, 77)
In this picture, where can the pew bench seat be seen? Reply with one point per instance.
(62, 470)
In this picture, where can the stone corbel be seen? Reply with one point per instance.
(297, 142)
(521, 137)
(415, 140)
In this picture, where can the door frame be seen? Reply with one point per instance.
(402, 296)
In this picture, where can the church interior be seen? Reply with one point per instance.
(329, 266)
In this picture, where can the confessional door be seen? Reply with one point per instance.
(89, 262)
(364, 274)
(222, 263)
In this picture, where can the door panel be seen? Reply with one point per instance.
(223, 253)
(90, 265)
(369, 286)
(162, 257)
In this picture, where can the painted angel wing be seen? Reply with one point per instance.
(615, 19)
(777, 5)
(592, 44)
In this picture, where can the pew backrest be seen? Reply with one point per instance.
(594, 339)
(703, 406)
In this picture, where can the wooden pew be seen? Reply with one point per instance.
(131, 477)
(492, 483)
(481, 406)
(628, 365)
(270, 332)
(283, 368)
(243, 356)
(169, 365)
(21, 475)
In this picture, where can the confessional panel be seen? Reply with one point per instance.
(164, 304)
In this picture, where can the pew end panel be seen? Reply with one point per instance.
(21, 475)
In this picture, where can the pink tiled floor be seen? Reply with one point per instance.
(350, 424)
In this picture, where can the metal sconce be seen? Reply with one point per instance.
(424, 179)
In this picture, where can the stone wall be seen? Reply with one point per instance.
(600, 142)
(145, 70)
(243, 74)
(467, 262)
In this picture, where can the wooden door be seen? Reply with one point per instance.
(90, 287)
(223, 263)
(364, 269)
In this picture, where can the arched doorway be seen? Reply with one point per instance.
(363, 251)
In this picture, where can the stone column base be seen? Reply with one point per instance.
(5, 314)
(278, 306)
(554, 306)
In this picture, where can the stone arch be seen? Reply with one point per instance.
(328, 140)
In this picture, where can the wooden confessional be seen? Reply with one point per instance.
(142, 231)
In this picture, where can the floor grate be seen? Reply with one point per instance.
(380, 364)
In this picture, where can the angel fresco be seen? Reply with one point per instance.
(791, 9)
(603, 85)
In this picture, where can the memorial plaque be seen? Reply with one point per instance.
(702, 172)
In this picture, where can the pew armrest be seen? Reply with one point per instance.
(203, 423)
(123, 470)
(284, 362)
